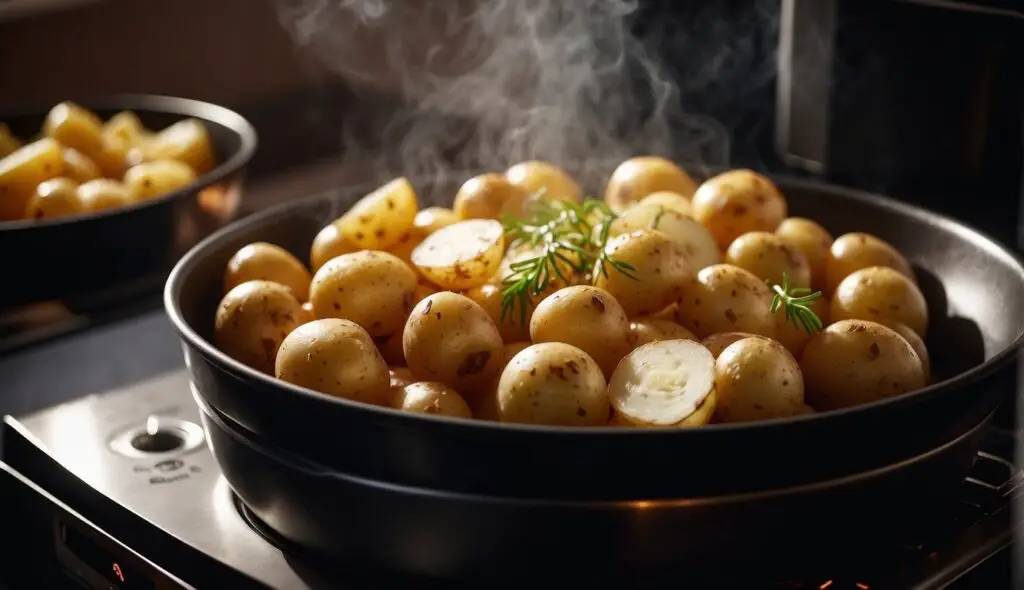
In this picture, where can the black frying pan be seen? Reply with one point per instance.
(76, 256)
(975, 290)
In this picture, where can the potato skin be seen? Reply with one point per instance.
(880, 294)
(726, 298)
(511, 328)
(373, 289)
(854, 251)
(917, 344)
(427, 397)
(769, 257)
(489, 196)
(77, 166)
(335, 357)
(450, 339)
(252, 321)
(639, 177)
(716, 343)
(810, 238)
(660, 269)
(103, 193)
(795, 337)
(380, 218)
(854, 362)
(431, 219)
(646, 329)
(23, 170)
(535, 175)
(736, 202)
(157, 178)
(698, 246)
(757, 379)
(669, 200)
(588, 318)
(327, 244)
(553, 383)
(267, 262)
(57, 197)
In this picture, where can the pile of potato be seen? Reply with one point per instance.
(402, 307)
(81, 164)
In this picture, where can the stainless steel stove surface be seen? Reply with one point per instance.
(120, 491)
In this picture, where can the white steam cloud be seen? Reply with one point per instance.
(484, 84)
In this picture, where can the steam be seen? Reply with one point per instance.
(488, 83)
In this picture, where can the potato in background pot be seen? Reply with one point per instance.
(57, 197)
(22, 171)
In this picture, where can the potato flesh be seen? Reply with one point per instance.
(588, 318)
(736, 202)
(770, 258)
(639, 177)
(726, 298)
(373, 289)
(548, 181)
(854, 251)
(463, 255)
(702, 416)
(22, 171)
(554, 384)
(267, 262)
(698, 246)
(659, 270)
(881, 294)
(379, 219)
(757, 379)
(157, 178)
(335, 357)
(186, 141)
(436, 399)
(78, 167)
(813, 240)
(57, 197)
(252, 321)
(662, 383)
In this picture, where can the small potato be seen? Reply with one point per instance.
(431, 219)
(586, 317)
(726, 298)
(327, 244)
(854, 362)
(917, 344)
(335, 357)
(157, 178)
(57, 197)
(463, 255)
(405, 245)
(548, 181)
(648, 329)
(757, 379)
(78, 167)
(126, 129)
(639, 177)
(669, 200)
(811, 239)
(400, 377)
(716, 343)
(8, 142)
(450, 339)
(185, 141)
(736, 202)
(659, 270)
(880, 294)
(22, 171)
(267, 262)
(554, 384)
(669, 313)
(852, 252)
(512, 328)
(379, 219)
(662, 383)
(373, 289)
(769, 257)
(113, 158)
(697, 244)
(253, 320)
(489, 196)
(793, 336)
(703, 415)
(75, 127)
(428, 397)
(103, 193)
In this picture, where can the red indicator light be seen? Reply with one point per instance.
(118, 572)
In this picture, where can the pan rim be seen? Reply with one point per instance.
(237, 369)
(157, 103)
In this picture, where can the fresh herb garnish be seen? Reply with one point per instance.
(795, 301)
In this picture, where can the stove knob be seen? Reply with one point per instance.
(161, 441)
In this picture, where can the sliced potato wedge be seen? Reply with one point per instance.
(378, 220)
(462, 255)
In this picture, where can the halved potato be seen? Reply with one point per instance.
(378, 220)
(463, 255)
(662, 383)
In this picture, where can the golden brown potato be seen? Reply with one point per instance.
(647, 329)
(697, 244)
(185, 141)
(335, 357)
(8, 142)
(78, 166)
(126, 129)
(307, 314)
(736, 202)
(669, 200)
(157, 178)
(880, 294)
(769, 257)
(586, 317)
(22, 171)
(379, 219)
(716, 343)
(548, 181)
(267, 262)
(639, 177)
(74, 127)
(793, 336)
(810, 238)
(726, 298)
(489, 196)
(659, 270)
(57, 197)
(916, 343)
(855, 362)
(450, 339)
(662, 383)
(463, 255)
(400, 377)
(854, 251)
(102, 194)
(390, 348)
(512, 328)
(327, 244)
(373, 289)
(431, 219)
(427, 397)
(405, 245)
(757, 379)
(253, 320)
(553, 384)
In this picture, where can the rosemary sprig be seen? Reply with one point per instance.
(795, 301)
(570, 241)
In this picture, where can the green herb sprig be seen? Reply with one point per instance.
(570, 240)
(794, 301)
